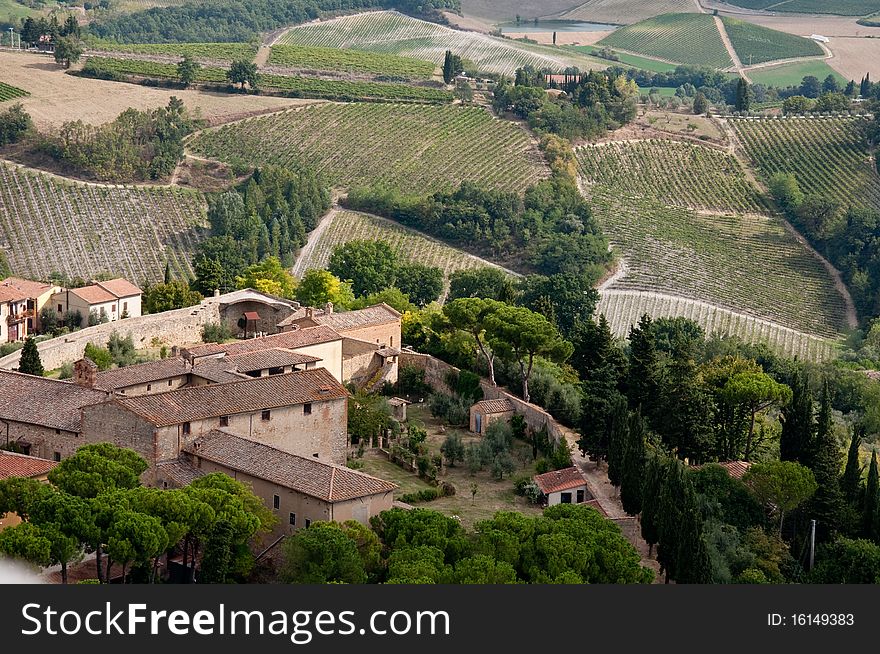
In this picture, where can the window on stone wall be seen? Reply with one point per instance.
(308, 523)
(276, 502)
(292, 519)
(57, 456)
(187, 428)
(224, 421)
(266, 415)
(307, 409)
(149, 387)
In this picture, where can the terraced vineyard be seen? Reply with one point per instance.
(755, 44)
(625, 12)
(345, 226)
(415, 148)
(48, 224)
(828, 156)
(393, 33)
(334, 59)
(201, 51)
(682, 38)
(307, 87)
(747, 264)
(677, 173)
(8, 92)
(624, 308)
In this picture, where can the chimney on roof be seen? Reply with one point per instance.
(175, 351)
(85, 373)
(310, 312)
(328, 309)
(216, 292)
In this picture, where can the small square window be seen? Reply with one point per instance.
(60, 308)
(224, 421)
(187, 428)
(125, 306)
(292, 519)
(170, 381)
(307, 409)
(57, 456)
(276, 502)
(149, 387)
(266, 415)
(308, 523)
(58, 432)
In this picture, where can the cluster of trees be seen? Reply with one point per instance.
(137, 146)
(592, 103)
(239, 20)
(95, 503)
(168, 295)
(266, 217)
(567, 544)
(549, 230)
(849, 236)
(15, 125)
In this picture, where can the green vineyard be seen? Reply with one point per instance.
(334, 59)
(839, 7)
(8, 92)
(413, 148)
(828, 156)
(51, 225)
(680, 174)
(344, 226)
(201, 51)
(683, 38)
(625, 12)
(755, 44)
(623, 309)
(747, 264)
(390, 32)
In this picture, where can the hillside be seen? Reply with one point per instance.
(393, 33)
(826, 155)
(427, 148)
(626, 12)
(755, 44)
(835, 7)
(52, 225)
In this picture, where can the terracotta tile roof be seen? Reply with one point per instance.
(494, 406)
(325, 481)
(120, 287)
(93, 294)
(180, 473)
(736, 469)
(244, 396)
(275, 357)
(216, 370)
(13, 289)
(45, 402)
(560, 480)
(596, 505)
(19, 465)
(288, 340)
(142, 373)
(378, 314)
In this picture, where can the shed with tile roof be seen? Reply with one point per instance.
(566, 486)
(485, 412)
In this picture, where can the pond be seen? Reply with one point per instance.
(529, 27)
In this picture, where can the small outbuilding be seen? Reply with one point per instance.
(487, 411)
(398, 408)
(566, 486)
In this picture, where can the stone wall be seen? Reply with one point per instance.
(435, 375)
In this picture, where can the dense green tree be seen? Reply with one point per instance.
(243, 72)
(318, 287)
(168, 296)
(810, 86)
(420, 564)
(135, 538)
(701, 104)
(15, 123)
(453, 448)
(852, 473)
(871, 503)
(217, 558)
(68, 50)
(652, 486)
(98, 468)
(26, 542)
(486, 283)
(368, 265)
(448, 67)
(671, 513)
(470, 315)
(188, 70)
(744, 95)
(780, 486)
(618, 435)
(726, 498)
(798, 426)
(568, 297)
(368, 416)
(846, 561)
(643, 382)
(268, 276)
(401, 529)
(482, 569)
(392, 296)
(30, 362)
(423, 284)
(633, 464)
(754, 392)
(827, 505)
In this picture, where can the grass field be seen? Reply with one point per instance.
(421, 148)
(305, 87)
(390, 32)
(679, 174)
(755, 44)
(683, 38)
(642, 63)
(827, 156)
(345, 226)
(662, 91)
(837, 7)
(200, 51)
(792, 74)
(49, 225)
(625, 12)
(624, 308)
(334, 59)
(8, 92)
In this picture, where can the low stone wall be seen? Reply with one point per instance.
(435, 375)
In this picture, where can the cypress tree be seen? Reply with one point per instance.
(670, 517)
(852, 474)
(167, 272)
(448, 68)
(617, 436)
(693, 565)
(871, 507)
(643, 380)
(827, 505)
(743, 95)
(30, 362)
(796, 439)
(651, 489)
(633, 468)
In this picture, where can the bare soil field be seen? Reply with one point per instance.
(683, 125)
(853, 57)
(56, 98)
(562, 38)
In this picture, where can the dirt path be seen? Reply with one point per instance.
(313, 238)
(737, 64)
(262, 57)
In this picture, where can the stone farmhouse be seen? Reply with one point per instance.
(20, 303)
(108, 301)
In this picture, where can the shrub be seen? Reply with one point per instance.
(215, 332)
(426, 495)
(411, 381)
(453, 448)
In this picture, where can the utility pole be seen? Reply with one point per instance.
(812, 543)
(11, 37)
